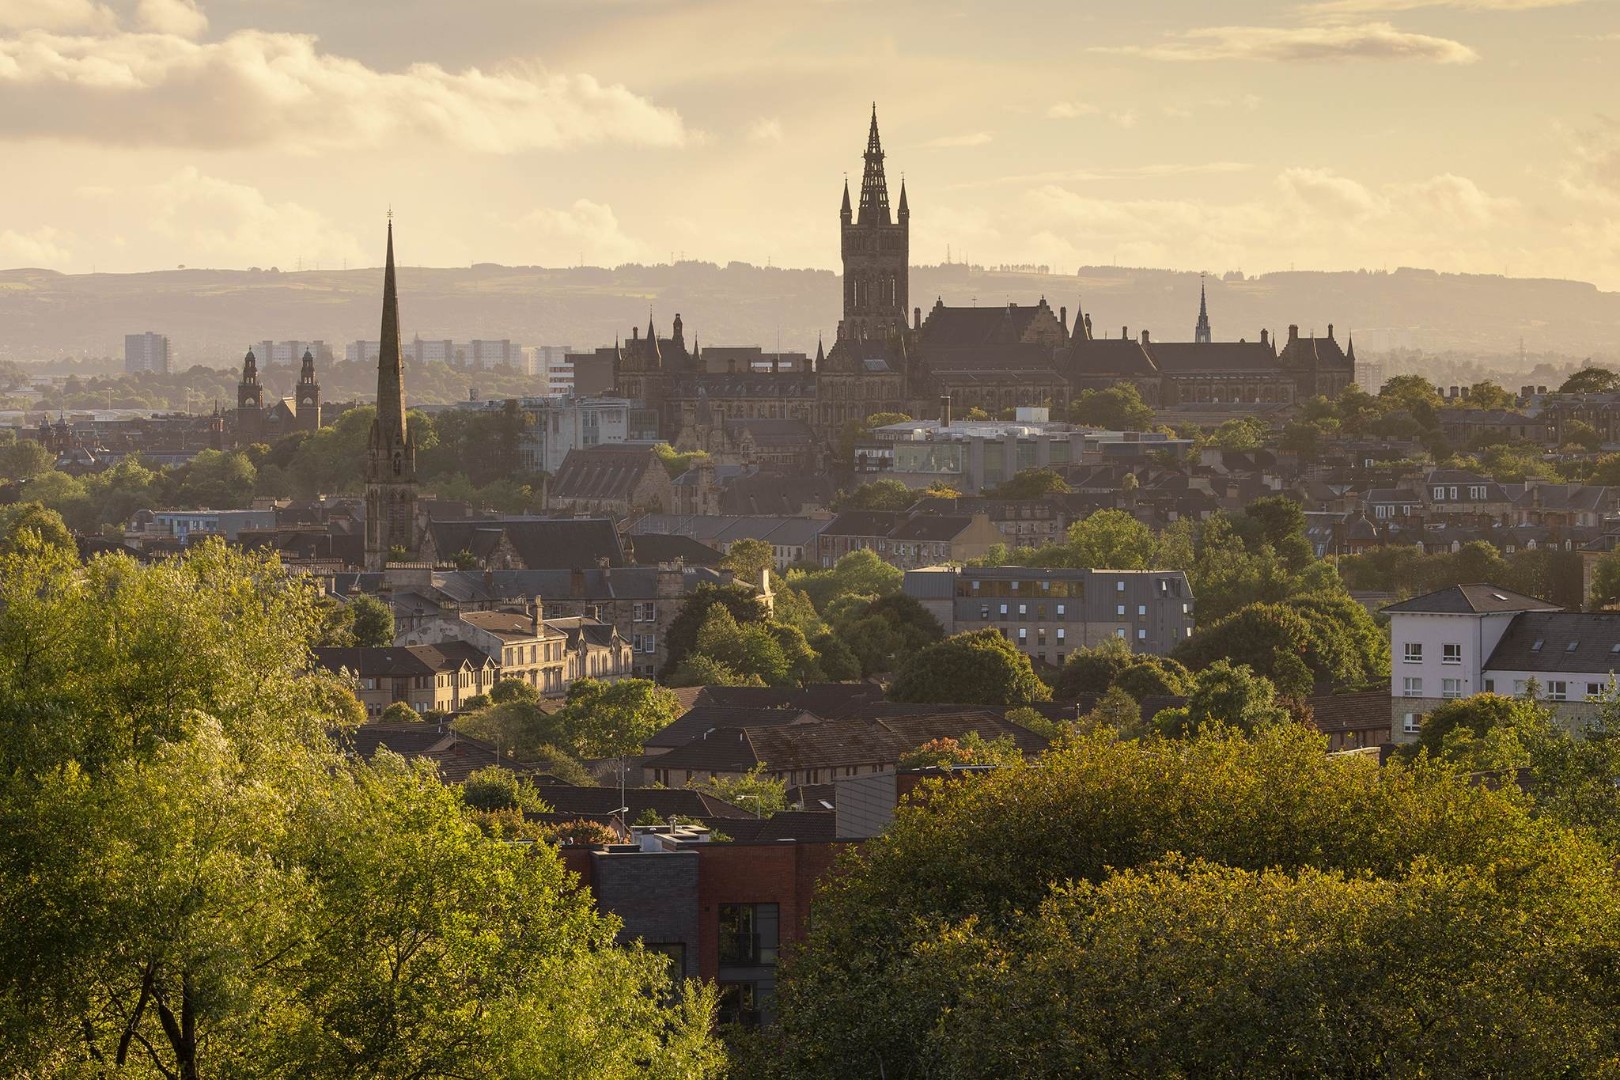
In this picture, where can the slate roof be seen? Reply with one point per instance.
(772, 432)
(1333, 714)
(833, 701)
(835, 743)
(701, 719)
(1570, 641)
(609, 471)
(1001, 359)
(399, 660)
(965, 326)
(775, 492)
(542, 543)
(457, 756)
(1111, 356)
(1177, 358)
(1470, 600)
(653, 548)
(802, 825)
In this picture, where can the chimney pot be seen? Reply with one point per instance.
(945, 411)
(1144, 337)
(1293, 332)
(1125, 333)
(916, 318)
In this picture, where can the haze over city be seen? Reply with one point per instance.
(1459, 135)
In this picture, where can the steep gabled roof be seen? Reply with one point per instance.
(611, 471)
(541, 543)
(1470, 600)
(1560, 641)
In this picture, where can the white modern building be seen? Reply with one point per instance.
(146, 352)
(560, 424)
(271, 353)
(479, 354)
(1482, 639)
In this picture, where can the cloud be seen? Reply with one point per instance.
(1070, 110)
(42, 247)
(946, 142)
(1592, 173)
(1361, 41)
(178, 17)
(219, 222)
(1126, 118)
(1362, 7)
(587, 231)
(56, 15)
(257, 89)
(765, 130)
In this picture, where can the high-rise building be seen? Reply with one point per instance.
(146, 352)
(390, 451)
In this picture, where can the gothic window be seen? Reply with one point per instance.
(399, 463)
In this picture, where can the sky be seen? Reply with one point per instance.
(1478, 136)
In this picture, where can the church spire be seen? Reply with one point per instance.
(390, 361)
(904, 211)
(874, 188)
(1201, 334)
(846, 213)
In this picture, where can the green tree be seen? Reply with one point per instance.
(1605, 582)
(1091, 670)
(614, 719)
(881, 632)
(373, 621)
(1031, 484)
(219, 480)
(878, 495)
(754, 790)
(976, 668)
(681, 638)
(1413, 394)
(1225, 694)
(860, 573)
(509, 689)
(1489, 395)
(400, 713)
(1591, 380)
(1332, 878)
(497, 788)
(971, 749)
(749, 559)
(30, 526)
(1111, 540)
(1118, 408)
(22, 460)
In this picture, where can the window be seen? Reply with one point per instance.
(1557, 690)
(1518, 687)
(1490, 686)
(674, 951)
(1451, 493)
(1411, 723)
(1439, 493)
(1121, 633)
(650, 641)
(1412, 652)
(1120, 610)
(748, 935)
(1594, 691)
(1119, 586)
(1451, 654)
(1412, 687)
(1023, 635)
(1451, 688)
(1003, 609)
(1060, 611)
(747, 1004)
(1141, 635)
(984, 611)
(1023, 609)
(1141, 610)
(1061, 633)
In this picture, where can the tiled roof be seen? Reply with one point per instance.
(801, 825)
(832, 701)
(457, 756)
(1110, 356)
(654, 548)
(1335, 713)
(397, 660)
(967, 326)
(701, 719)
(1561, 641)
(542, 543)
(666, 802)
(1175, 358)
(1470, 600)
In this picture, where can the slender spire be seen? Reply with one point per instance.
(846, 213)
(390, 361)
(874, 188)
(904, 211)
(821, 354)
(1350, 349)
(1201, 334)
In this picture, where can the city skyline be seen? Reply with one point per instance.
(1338, 135)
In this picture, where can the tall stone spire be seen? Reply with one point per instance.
(845, 212)
(1201, 335)
(391, 453)
(390, 422)
(874, 188)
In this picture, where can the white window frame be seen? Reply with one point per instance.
(1412, 686)
(1412, 652)
(1451, 653)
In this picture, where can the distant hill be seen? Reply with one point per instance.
(212, 315)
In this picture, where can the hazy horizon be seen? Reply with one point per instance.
(1330, 135)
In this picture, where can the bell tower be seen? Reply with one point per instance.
(876, 251)
(249, 402)
(309, 396)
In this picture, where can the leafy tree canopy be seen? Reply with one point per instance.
(976, 668)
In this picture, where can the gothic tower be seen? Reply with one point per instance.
(1201, 333)
(309, 396)
(249, 402)
(390, 453)
(876, 252)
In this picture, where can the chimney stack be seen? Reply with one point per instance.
(1063, 317)
(1124, 333)
(945, 411)
(1144, 337)
(916, 318)
(1293, 333)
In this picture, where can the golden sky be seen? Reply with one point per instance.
(1462, 135)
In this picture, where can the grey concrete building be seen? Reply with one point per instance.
(1049, 612)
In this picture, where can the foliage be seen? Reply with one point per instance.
(613, 719)
(1334, 637)
(1605, 582)
(1111, 540)
(860, 573)
(373, 621)
(220, 891)
(1307, 879)
(754, 790)
(30, 527)
(1031, 484)
(1118, 408)
(508, 690)
(1091, 669)
(675, 462)
(880, 633)
(878, 495)
(970, 749)
(682, 635)
(497, 788)
(1591, 380)
(1225, 694)
(975, 668)
(749, 559)
(400, 713)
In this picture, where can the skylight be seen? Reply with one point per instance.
(1537, 646)
(1571, 646)
(1499, 596)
